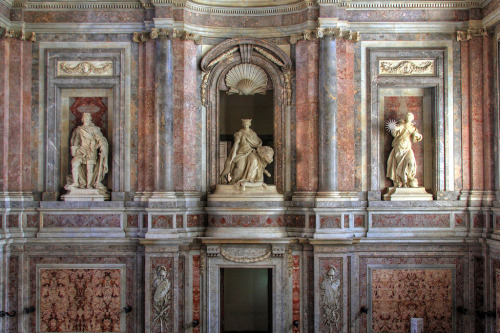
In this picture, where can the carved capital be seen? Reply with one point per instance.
(325, 32)
(463, 36)
(141, 37)
(21, 35)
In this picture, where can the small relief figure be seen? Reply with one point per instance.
(246, 163)
(401, 164)
(161, 298)
(331, 300)
(89, 149)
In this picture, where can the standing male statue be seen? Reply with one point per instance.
(401, 164)
(89, 149)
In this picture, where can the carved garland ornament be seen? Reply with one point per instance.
(228, 255)
(84, 68)
(141, 37)
(323, 32)
(406, 67)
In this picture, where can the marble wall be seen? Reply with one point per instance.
(342, 259)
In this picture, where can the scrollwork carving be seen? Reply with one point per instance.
(231, 255)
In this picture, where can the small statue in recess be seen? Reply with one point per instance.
(89, 149)
(401, 164)
(247, 161)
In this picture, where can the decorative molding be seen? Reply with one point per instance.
(401, 4)
(85, 28)
(233, 255)
(247, 11)
(85, 68)
(403, 27)
(290, 260)
(21, 35)
(203, 261)
(407, 67)
(471, 33)
(78, 5)
(324, 32)
(213, 250)
(279, 250)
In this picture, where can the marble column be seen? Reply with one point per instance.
(164, 118)
(329, 77)
(328, 109)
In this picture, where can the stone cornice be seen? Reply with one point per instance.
(405, 4)
(68, 5)
(259, 11)
(492, 18)
(7, 3)
(406, 27)
(85, 28)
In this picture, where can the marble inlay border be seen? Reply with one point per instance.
(371, 268)
(123, 285)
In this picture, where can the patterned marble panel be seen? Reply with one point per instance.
(12, 294)
(403, 262)
(246, 221)
(80, 300)
(401, 294)
(478, 221)
(330, 221)
(162, 222)
(196, 221)
(359, 221)
(396, 108)
(133, 221)
(479, 274)
(411, 221)
(81, 221)
(296, 290)
(460, 219)
(196, 292)
(497, 298)
(296, 221)
(178, 221)
(33, 221)
(13, 221)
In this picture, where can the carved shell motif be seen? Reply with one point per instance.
(246, 79)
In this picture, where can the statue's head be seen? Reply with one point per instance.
(409, 117)
(266, 153)
(246, 123)
(87, 119)
(161, 272)
(331, 274)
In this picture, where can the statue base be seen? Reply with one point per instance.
(407, 194)
(253, 192)
(85, 194)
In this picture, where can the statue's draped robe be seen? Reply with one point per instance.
(248, 142)
(401, 164)
(91, 146)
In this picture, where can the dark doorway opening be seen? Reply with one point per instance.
(246, 302)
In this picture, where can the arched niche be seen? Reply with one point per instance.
(277, 65)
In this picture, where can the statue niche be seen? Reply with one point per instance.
(234, 72)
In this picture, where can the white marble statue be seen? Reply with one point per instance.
(331, 300)
(401, 164)
(89, 149)
(247, 161)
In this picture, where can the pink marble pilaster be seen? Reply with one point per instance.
(345, 115)
(476, 111)
(464, 51)
(307, 115)
(16, 114)
(488, 115)
(146, 116)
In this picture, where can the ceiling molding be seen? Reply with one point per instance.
(269, 10)
(406, 27)
(492, 18)
(402, 4)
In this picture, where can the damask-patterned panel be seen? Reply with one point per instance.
(401, 294)
(84, 299)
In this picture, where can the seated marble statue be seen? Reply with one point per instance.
(246, 163)
(401, 164)
(89, 149)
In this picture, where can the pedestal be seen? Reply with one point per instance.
(407, 194)
(251, 193)
(86, 194)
